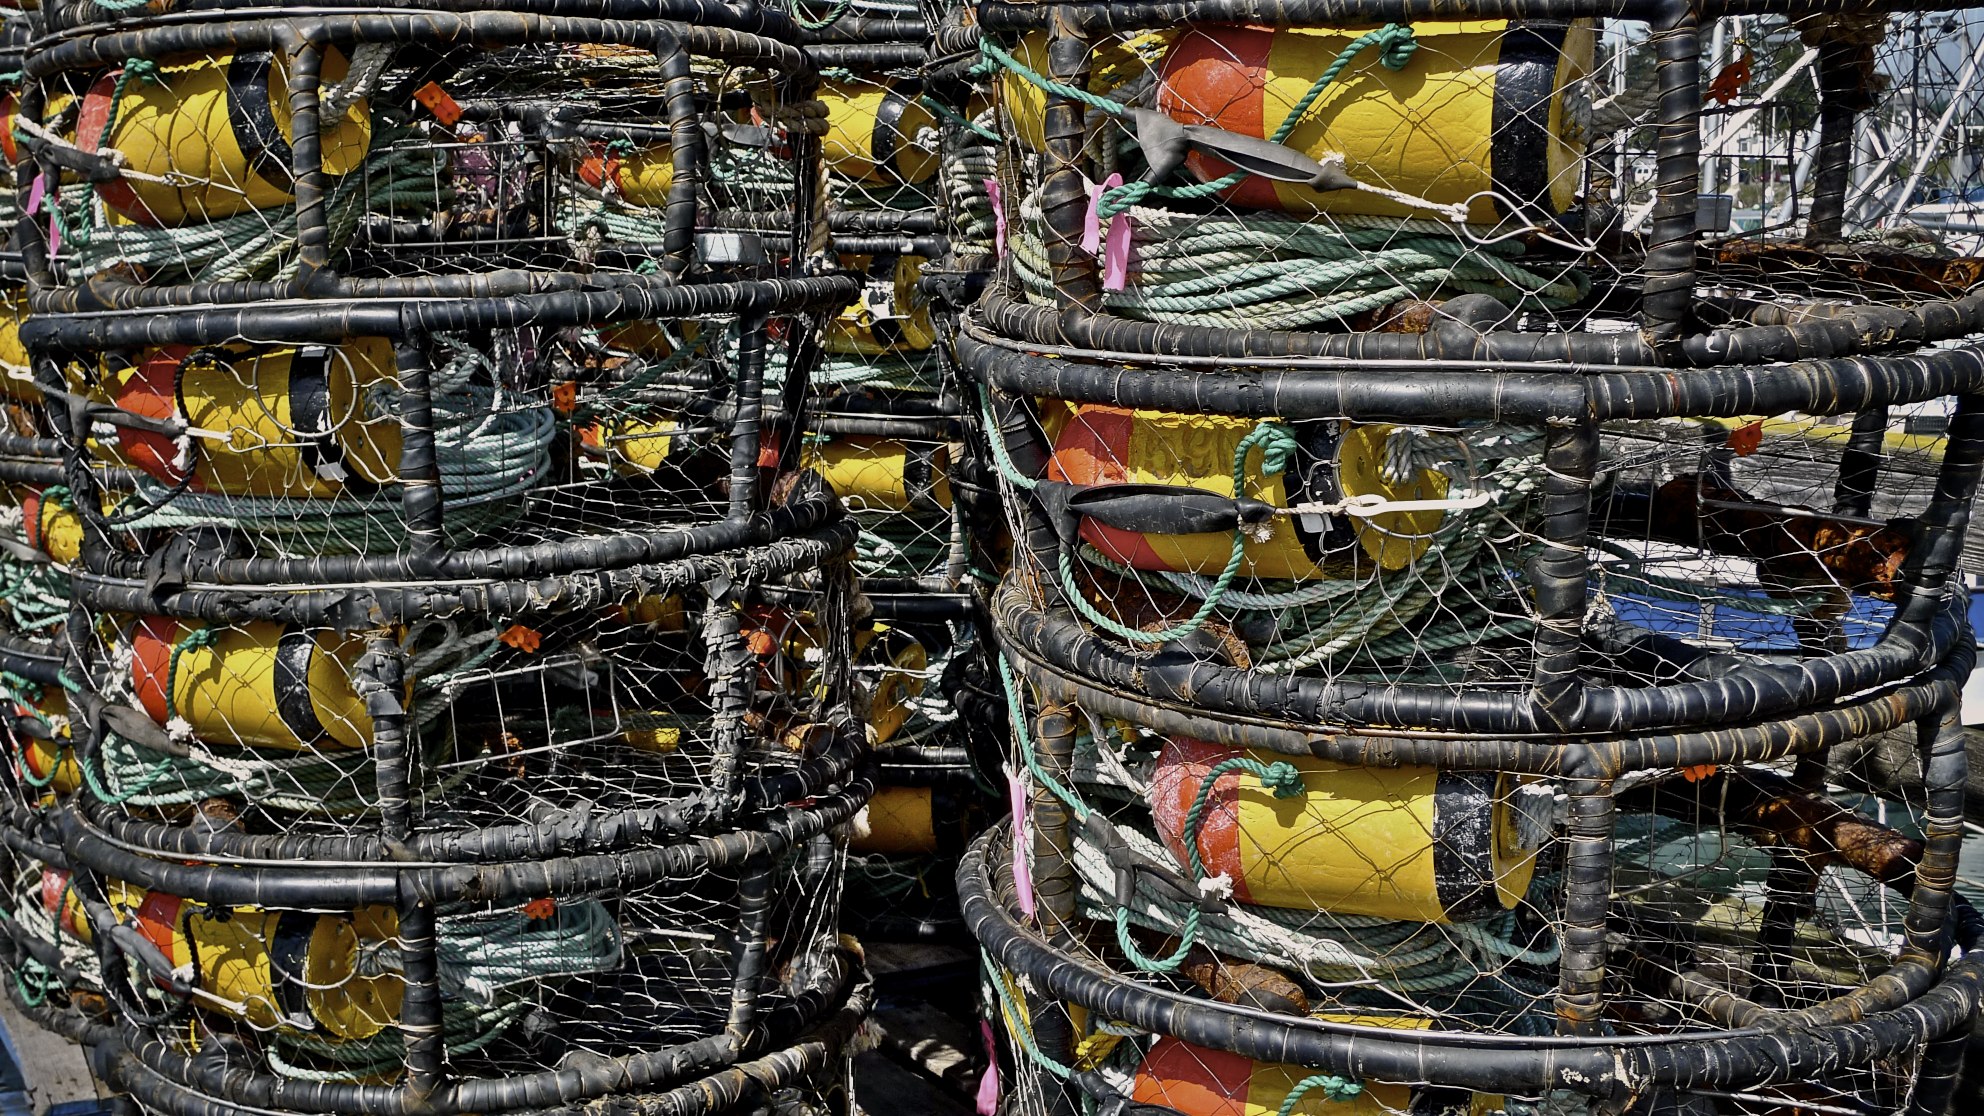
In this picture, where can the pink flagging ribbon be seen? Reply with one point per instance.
(998, 215)
(1016, 792)
(1112, 248)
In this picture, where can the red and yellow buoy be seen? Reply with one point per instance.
(288, 969)
(875, 132)
(1411, 843)
(1479, 107)
(211, 134)
(286, 421)
(258, 684)
(1200, 1081)
(1102, 445)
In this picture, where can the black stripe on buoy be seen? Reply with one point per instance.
(1464, 844)
(1525, 84)
(310, 418)
(292, 680)
(254, 122)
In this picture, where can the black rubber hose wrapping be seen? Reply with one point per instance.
(53, 329)
(755, 19)
(688, 156)
(1558, 579)
(1668, 289)
(1778, 335)
(1817, 387)
(306, 886)
(806, 511)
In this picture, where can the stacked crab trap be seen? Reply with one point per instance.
(406, 715)
(1441, 569)
(884, 431)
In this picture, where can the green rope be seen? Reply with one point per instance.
(1020, 1026)
(1281, 777)
(800, 17)
(198, 637)
(1018, 718)
(1334, 1088)
(958, 118)
(1278, 448)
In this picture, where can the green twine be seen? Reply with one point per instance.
(1334, 1088)
(958, 118)
(1278, 447)
(800, 17)
(198, 637)
(1281, 777)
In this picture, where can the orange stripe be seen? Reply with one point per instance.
(1181, 768)
(1094, 448)
(1219, 77)
(1193, 1079)
(151, 662)
(152, 391)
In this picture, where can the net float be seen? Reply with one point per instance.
(877, 474)
(1479, 106)
(288, 969)
(1104, 445)
(291, 422)
(891, 316)
(910, 821)
(1411, 843)
(260, 684)
(640, 177)
(872, 132)
(217, 130)
(53, 527)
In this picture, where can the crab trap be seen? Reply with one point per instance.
(1445, 553)
(430, 657)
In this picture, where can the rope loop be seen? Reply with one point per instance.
(1334, 1088)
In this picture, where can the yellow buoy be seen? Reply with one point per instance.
(891, 316)
(258, 684)
(16, 368)
(1113, 63)
(896, 663)
(216, 129)
(875, 132)
(46, 756)
(281, 421)
(51, 526)
(1478, 107)
(287, 969)
(1411, 843)
(640, 177)
(884, 474)
(1102, 445)
(898, 821)
(1201, 1081)
(634, 445)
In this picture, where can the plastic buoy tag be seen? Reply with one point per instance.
(998, 215)
(36, 190)
(1022, 872)
(437, 101)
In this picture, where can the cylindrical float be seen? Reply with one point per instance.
(16, 370)
(296, 420)
(1480, 106)
(873, 131)
(1101, 445)
(877, 474)
(46, 757)
(1412, 843)
(258, 683)
(51, 526)
(640, 177)
(218, 128)
(1113, 63)
(911, 821)
(890, 316)
(286, 969)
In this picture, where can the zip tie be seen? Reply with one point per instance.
(1368, 505)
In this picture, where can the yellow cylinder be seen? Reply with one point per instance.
(51, 526)
(1112, 64)
(258, 684)
(896, 662)
(49, 762)
(640, 177)
(1478, 107)
(218, 127)
(891, 316)
(897, 821)
(280, 968)
(1412, 843)
(883, 474)
(295, 419)
(634, 445)
(873, 130)
(1101, 445)
(16, 370)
